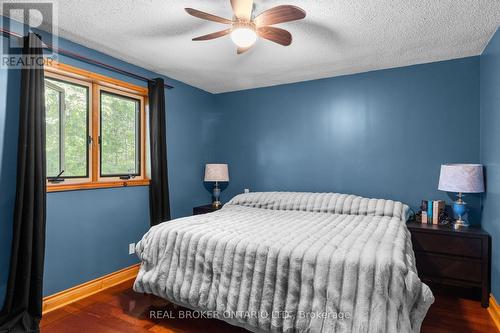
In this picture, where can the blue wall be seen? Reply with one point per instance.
(378, 134)
(88, 232)
(9, 121)
(490, 151)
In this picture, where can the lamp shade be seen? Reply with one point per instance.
(464, 178)
(216, 173)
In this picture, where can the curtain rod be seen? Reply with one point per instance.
(85, 59)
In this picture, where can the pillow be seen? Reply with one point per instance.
(334, 203)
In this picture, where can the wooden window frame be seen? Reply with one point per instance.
(88, 85)
(142, 155)
(97, 83)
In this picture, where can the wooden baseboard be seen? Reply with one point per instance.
(86, 289)
(494, 310)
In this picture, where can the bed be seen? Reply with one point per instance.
(291, 262)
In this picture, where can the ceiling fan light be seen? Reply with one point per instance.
(243, 37)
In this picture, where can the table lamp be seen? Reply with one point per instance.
(461, 178)
(216, 173)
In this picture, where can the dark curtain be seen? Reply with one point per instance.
(159, 205)
(22, 309)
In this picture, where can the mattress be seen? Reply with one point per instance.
(291, 262)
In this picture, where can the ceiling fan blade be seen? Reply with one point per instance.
(279, 14)
(213, 35)
(207, 16)
(242, 9)
(241, 50)
(276, 35)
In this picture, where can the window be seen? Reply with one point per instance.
(94, 130)
(67, 119)
(120, 135)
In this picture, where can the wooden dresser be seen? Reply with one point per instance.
(458, 258)
(204, 209)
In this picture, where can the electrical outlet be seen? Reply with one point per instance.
(131, 248)
(247, 190)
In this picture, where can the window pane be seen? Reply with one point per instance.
(120, 135)
(52, 103)
(67, 128)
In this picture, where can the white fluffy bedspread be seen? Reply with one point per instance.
(291, 262)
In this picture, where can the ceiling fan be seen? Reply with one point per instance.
(244, 29)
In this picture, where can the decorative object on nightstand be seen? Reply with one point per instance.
(433, 212)
(216, 173)
(205, 209)
(453, 258)
(461, 178)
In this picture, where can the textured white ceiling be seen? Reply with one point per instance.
(337, 37)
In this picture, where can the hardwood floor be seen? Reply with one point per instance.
(120, 309)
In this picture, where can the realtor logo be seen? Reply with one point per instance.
(19, 19)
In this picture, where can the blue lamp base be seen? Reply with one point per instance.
(216, 196)
(459, 209)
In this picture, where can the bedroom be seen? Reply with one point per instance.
(358, 113)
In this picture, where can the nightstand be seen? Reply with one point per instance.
(456, 258)
(204, 209)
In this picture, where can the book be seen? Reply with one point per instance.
(429, 211)
(423, 207)
(437, 208)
